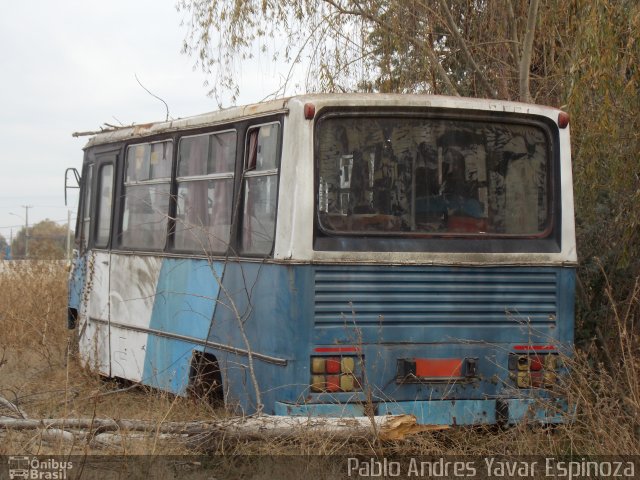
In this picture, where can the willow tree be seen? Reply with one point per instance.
(581, 55)
(486, 48)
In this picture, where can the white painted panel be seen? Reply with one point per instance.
(93, 344)
(127, 353)
(98, 285)
(133, 288)
(134, 280)
(93, 336)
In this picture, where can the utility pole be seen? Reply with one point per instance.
(26, 229)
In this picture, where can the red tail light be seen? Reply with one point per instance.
(563, 119)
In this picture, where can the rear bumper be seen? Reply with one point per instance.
(446, 412)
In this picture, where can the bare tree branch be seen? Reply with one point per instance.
(527, 51)
(154, 96)
(427, 49)
(513, 29)
(453, 28)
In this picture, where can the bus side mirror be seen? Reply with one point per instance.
(69, 184)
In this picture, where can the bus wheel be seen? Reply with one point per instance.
(205, 379)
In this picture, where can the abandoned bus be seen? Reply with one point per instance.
(334, 255)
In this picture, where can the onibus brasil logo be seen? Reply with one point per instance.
(41, 469)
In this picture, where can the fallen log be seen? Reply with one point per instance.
(390, 427)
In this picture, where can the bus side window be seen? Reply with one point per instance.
(146, 195)
(206, 166)
(260, 190)
(105, 199)
(86, 207)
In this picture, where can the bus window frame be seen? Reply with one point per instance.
(246, 173)
(217, 176)
(549, 241)
(122, 192)
(83, 235)
(111, 160)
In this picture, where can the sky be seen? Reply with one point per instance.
(70, 66)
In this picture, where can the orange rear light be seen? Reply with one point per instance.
(438, 367)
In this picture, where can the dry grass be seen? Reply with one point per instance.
(38, 373)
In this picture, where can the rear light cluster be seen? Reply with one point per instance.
(534, 370)
(334, 374)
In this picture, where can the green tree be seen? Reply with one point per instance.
(3, 246)
(47, 241)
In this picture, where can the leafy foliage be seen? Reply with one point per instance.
(603, 97)
(47, 241)
(580, 55)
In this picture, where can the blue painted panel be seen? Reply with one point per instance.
(538, 410)
(76, 281)
(274, 303)
(382, 304)
(286, 312)
(185, 302)
(444, 412)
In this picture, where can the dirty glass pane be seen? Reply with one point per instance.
(402, 175)
(264, 155)
(138, 162)
(222, 153)
(203, 221)
(192, 154)
(207, 154)
(160, 160)
(105, 197)
(149, 161)
(259, 214)
(144, 221)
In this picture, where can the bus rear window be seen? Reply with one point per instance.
(406, 175)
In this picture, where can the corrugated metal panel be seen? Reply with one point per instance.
(396, 296)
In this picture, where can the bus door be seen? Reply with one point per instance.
(97, 338)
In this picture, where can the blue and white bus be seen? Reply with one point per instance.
(334, 255)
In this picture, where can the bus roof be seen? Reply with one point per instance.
(282, 105)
